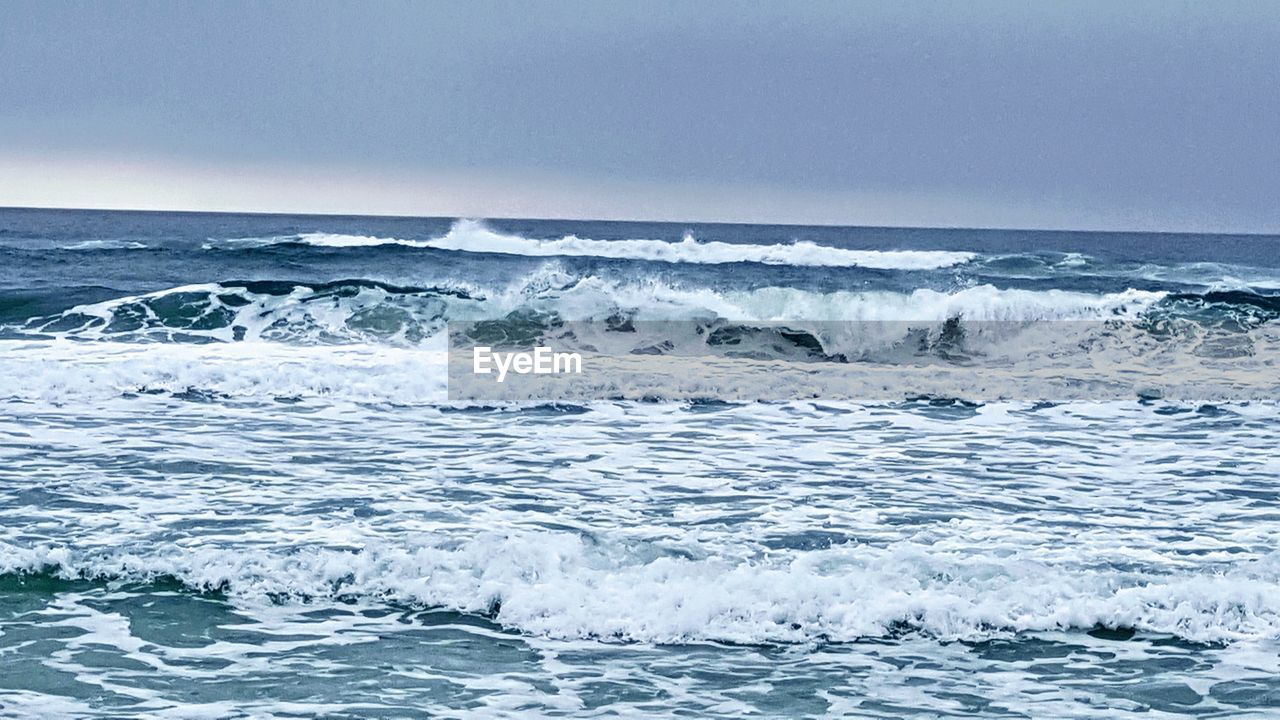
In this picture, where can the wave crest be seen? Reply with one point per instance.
(367, 340)
(474, 236)
(562, 585)
(360, 311)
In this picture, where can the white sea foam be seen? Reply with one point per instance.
(55, 371)
(381, 314)
(980, 303)
(106, 245)
(329, 524)
(375, 343)
(593, 298)
(558, 585)
(59, 371)
(474, 236)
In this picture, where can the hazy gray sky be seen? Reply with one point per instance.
(1141, 115)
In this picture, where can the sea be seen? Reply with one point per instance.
(238, 480)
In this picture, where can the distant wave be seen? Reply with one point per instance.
(106, 245)
(1210, 275)
(474, 236)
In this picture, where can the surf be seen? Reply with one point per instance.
(473, 236)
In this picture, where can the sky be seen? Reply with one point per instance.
(1137, 115)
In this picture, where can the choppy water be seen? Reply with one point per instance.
(232, 483)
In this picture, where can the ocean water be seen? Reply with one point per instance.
(234, 482)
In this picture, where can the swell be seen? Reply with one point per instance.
(563, 585)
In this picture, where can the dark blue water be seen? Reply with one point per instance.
(34, 246)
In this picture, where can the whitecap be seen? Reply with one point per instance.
(476, 237)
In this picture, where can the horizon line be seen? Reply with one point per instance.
(642, 220)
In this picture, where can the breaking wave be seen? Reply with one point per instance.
(564, 585)
(360, 310)
(106, 245)
(475, 237)
(364, 340)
